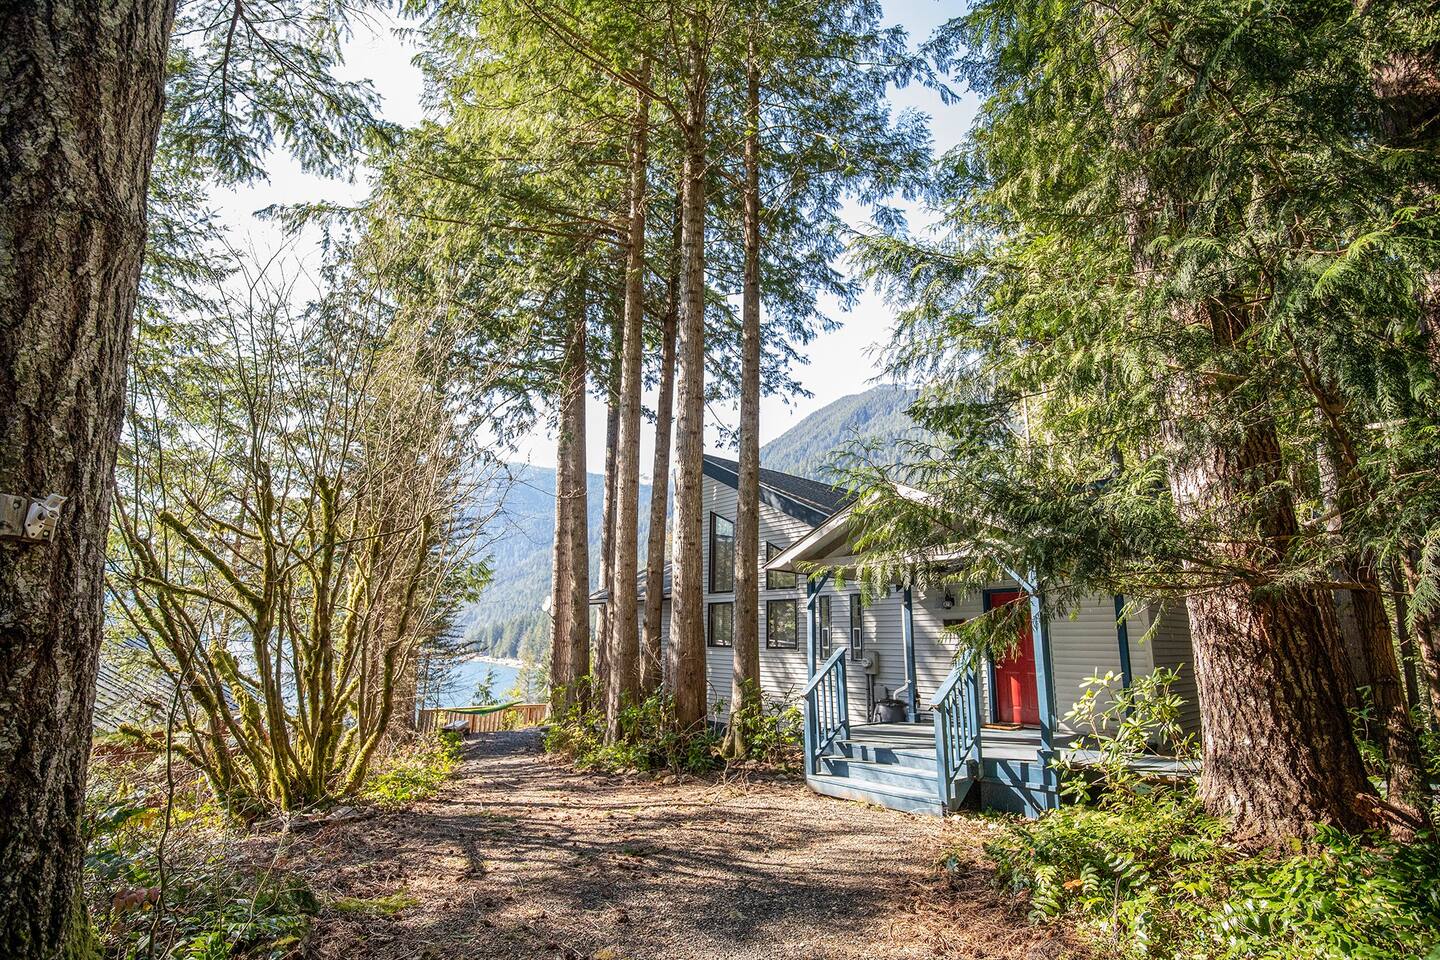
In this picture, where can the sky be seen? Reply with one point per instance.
(838, 363)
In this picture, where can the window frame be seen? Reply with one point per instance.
(710, 624)
(857, 627)
(770, 642)
(824, 611)
(771, 552)
(730, 569)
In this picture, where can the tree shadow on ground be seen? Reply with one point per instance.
(523, 857)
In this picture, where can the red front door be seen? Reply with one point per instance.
(1016, 698)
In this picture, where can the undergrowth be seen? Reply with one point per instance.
(413, 772)
(1150, 875)
(650, 737)
(207, 902)
(1147, 873)
(203, 905)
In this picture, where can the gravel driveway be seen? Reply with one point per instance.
(519, 856)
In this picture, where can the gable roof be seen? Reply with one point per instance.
(800, 497)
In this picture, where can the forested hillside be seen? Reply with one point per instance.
(805, 448)
(508, 619)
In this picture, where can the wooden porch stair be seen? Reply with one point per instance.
(890, 765)
(921, 767)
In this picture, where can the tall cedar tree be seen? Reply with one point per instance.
(1161, 293)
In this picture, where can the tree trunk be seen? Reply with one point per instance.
(1427, 634)
(1369, 648)
(81, 94)
(651, 672)
(1279, 757)
(625, 644)
(1404, 640)
(562, 675)
(603, 632)
(570, 637)
(1407, 84)
(745, 675)
(687, 637)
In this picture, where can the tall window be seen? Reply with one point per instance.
(825, 631)
(857, 627)
(722, 554)
(776, 579)
(781, 624)
(720, 631)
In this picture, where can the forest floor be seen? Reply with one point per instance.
(520, 856)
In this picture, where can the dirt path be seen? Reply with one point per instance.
(521, 857)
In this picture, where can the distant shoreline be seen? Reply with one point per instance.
(498, 661)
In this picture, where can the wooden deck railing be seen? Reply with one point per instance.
(956, 710)
(827, 709)
(514, 717)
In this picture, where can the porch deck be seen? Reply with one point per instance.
(1008, 743)
(894, 765)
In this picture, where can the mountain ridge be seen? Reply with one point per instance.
(509, 621)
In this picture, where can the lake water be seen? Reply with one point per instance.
(459, 690)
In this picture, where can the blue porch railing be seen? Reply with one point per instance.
(827, 709)
(956, 709)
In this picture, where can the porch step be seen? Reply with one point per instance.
(884, 795)
(884, 774)
(917, 758)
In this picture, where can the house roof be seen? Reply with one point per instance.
(830, 543)
(800, 497)
(807, 500)
(602, 596)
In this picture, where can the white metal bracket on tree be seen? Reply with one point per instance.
(29, 520)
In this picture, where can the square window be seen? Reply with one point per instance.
(782, 624)
(720, 631)
(776, 579)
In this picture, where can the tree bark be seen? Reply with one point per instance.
(603, 632)
(745, 675)
(624, 685)
(81, 98)
(687, 638)
(570, 630)
(1404, 640)
(651, 672)
(562, 675)
(1426, 632)
(1278, 753)
(1369, 647)
(1407, 84)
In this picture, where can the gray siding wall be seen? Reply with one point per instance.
(1171, 647)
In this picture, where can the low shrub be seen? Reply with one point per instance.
(1151, 876)
(1147, 873)
(212, 908)
(650, 737)
(412, 771)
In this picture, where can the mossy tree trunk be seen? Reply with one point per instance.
(81, 92)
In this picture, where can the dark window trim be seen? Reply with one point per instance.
(713, 517)
(771, 574)
(770, 642)
(825, 614)
(710, 623)
(856, 626)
